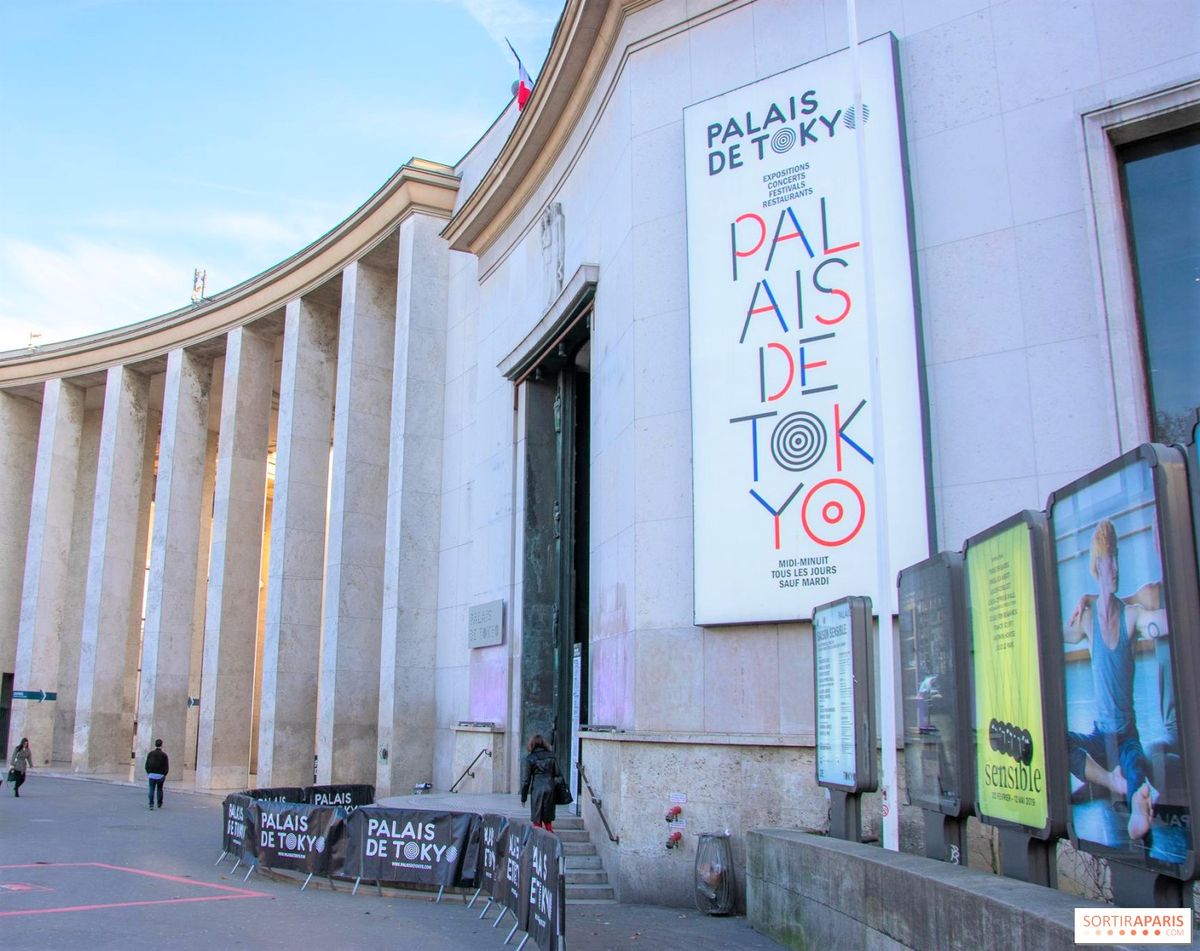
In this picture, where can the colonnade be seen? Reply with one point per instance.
(249, 518)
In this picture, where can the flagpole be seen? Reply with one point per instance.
(883, 563)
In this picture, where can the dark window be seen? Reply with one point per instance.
(1160, 178)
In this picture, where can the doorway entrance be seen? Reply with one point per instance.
(554, 620)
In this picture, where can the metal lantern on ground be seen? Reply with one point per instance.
(714, 874)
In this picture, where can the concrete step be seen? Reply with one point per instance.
(586, 879)
(591, 893)
(592, 876)
(572, 835)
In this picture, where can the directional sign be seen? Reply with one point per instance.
(193, 701)
(38, 695)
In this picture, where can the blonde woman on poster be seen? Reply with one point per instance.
(1112, 755)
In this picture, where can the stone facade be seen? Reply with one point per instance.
(399, 392)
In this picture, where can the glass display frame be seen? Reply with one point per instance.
(934, 658)
(844, 695)
(1142, 723)
(1015, 684)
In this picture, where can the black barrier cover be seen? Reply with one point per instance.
(412, 846)
(491, 834)
(506, 887)
(298, 836)
(233, 830)
(543, 890)
(277, 794)
(349, 796)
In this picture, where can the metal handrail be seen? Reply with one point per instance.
(596, 801)
(467, 772)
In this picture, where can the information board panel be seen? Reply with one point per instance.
(844, 674)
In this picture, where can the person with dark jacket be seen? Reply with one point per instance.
(157, 767)
(20, 761)
(538, 777)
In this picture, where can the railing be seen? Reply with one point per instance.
(596, 801)
(467, 772)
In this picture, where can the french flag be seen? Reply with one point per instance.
(523, 87)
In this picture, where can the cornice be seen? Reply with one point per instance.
(418, 187)
(583, 44)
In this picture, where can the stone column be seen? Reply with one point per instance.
(46, 559)
(114, 576)
(174, 550)
(349, 688)
(19, 436)
(231, 621)
(71, 628)
(292, 642)
(200, 602)
(133, 633)
(408, 655)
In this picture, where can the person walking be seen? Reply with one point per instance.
(158, 764)
(21, 760)
(538, 778)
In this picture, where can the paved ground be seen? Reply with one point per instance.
(84, 864)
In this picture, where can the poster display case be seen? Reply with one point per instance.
(1015, 677)
(934, 655)
(1125, 566)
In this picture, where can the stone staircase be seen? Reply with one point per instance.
(587, 882)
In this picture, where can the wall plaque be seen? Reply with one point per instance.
(485, 624)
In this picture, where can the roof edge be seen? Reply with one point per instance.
(418, 187)
(583, 43)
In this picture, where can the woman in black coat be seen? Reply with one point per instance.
(537, 781)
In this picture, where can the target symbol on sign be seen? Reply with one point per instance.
(833, 512)
(411, 850)
(798, 441)
(289, 840)
(783, 140)
(451, 854)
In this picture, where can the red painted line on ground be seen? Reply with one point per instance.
(127, 904)
(233, 892)
(245, 892)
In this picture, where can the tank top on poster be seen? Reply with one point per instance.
(1112, 677)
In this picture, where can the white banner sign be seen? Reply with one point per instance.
(782, 424)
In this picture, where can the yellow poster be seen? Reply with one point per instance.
(1010, 749)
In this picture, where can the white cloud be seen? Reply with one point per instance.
(249, 230)
(82, 287)
(527, 23)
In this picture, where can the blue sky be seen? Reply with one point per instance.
(145, 138)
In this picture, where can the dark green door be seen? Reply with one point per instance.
(555, 595)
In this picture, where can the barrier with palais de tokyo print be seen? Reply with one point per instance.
(522, 867)
(296, 836)
(419, 847)
(543, 890)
